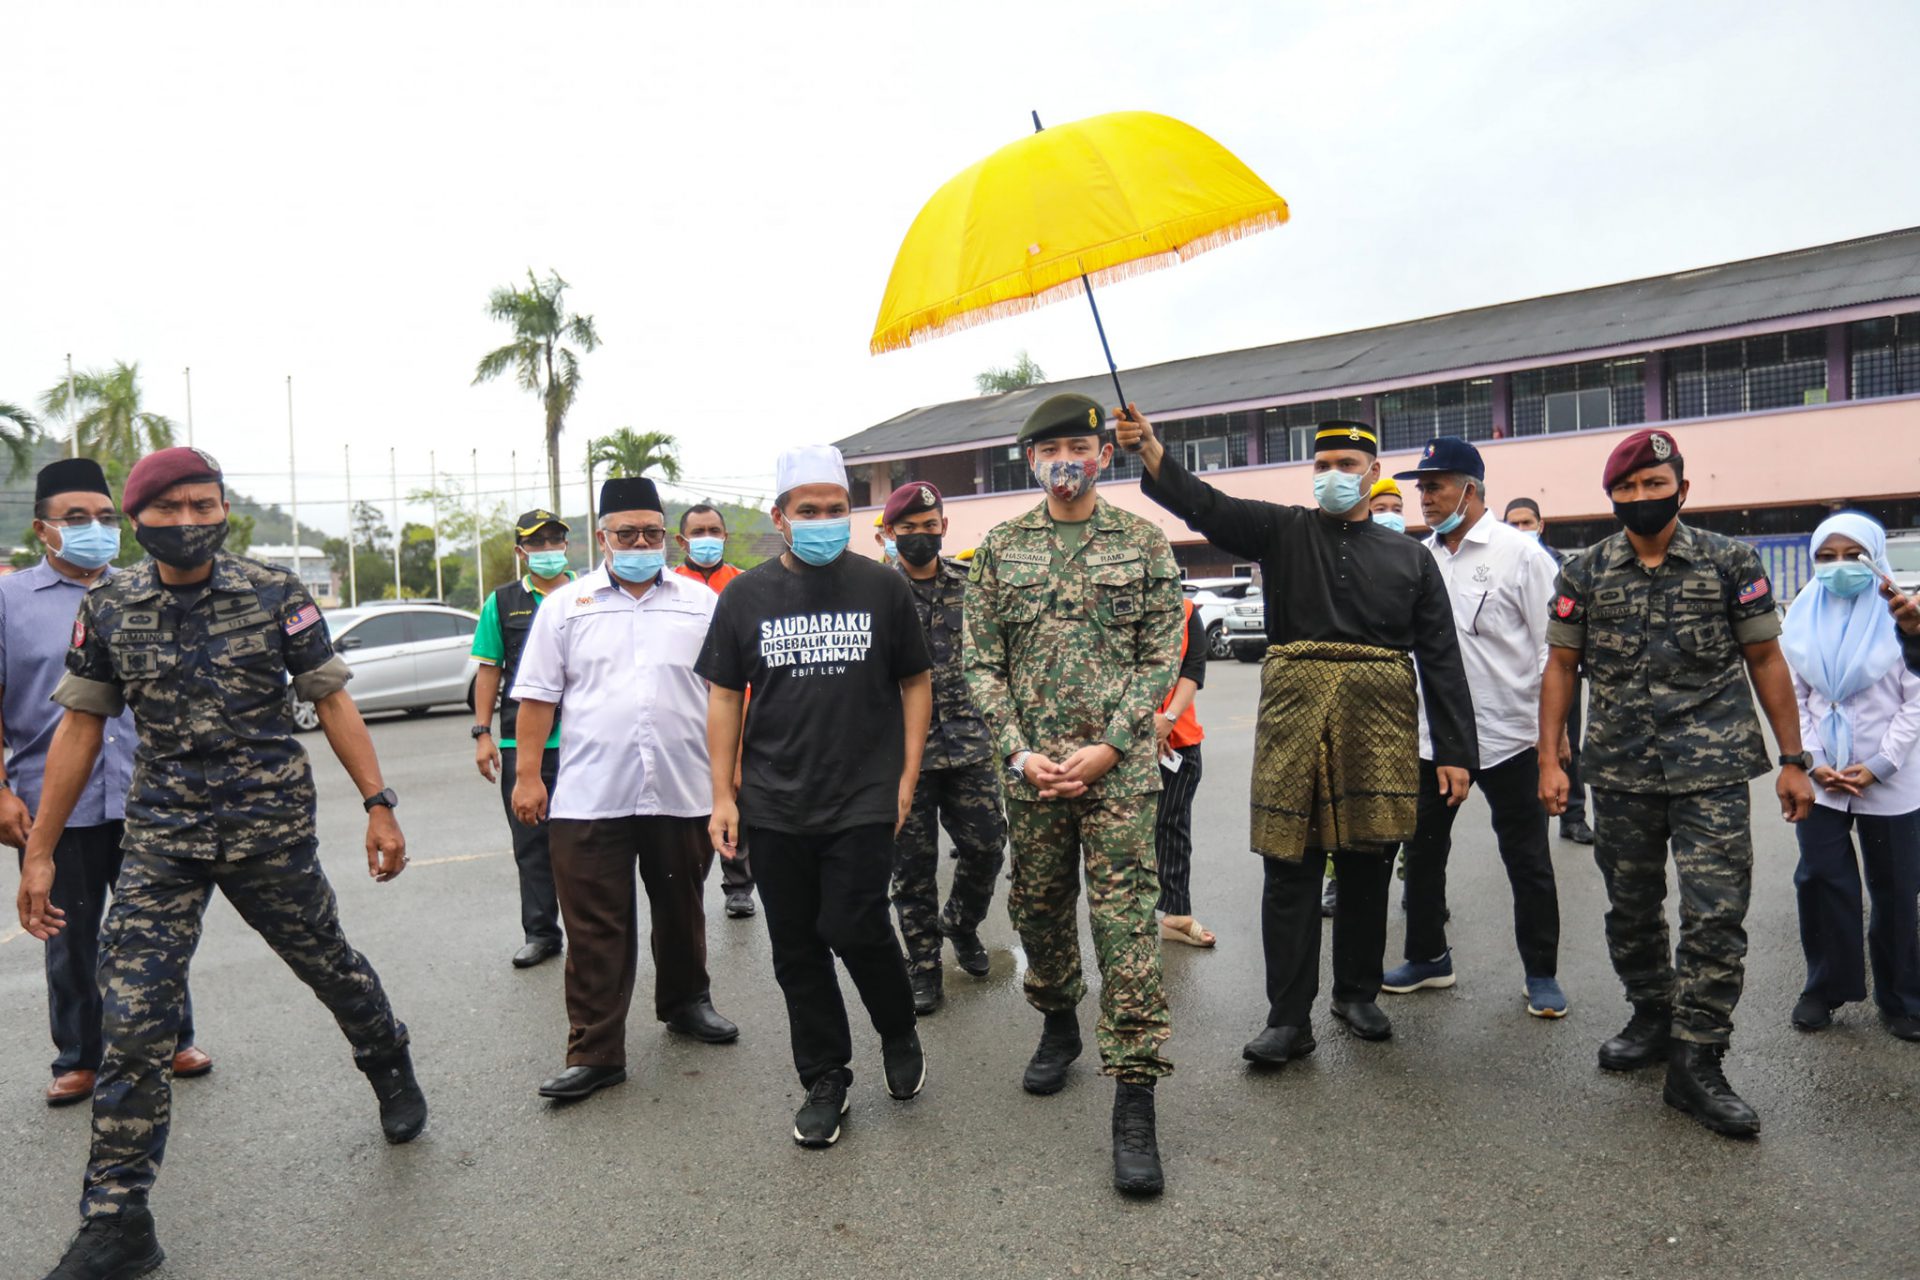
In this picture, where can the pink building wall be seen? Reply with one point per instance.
(1849, 451)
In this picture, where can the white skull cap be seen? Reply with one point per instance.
(809, 464)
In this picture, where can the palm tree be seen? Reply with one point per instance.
(18, 432)
(541, 364)
(1022, 373)
(111, 426)
(632, 453)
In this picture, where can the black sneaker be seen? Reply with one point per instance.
(403, 1108)
(905, 1065)
(117, 1247)
(740, 904)
(927, 992)
(817, 1122)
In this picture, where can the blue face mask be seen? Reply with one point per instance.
(893, 549)
(1337, 491)
(1845, 578)
(643, 565)
(705, 551)
(820, 542)
(90, 546)
(1452, 522)
(546, 564)
(1391, 520)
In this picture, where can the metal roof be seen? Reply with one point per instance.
(1874, 269)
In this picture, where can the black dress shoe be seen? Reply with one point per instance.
(1577, 831)
(971, 956)
(1364, 1019)
(576, 1083)
(927, 993)
(537, 952)
(116, 1247)
(699, 1019)
(1811, 1013)
(740, 904)
(1277, 1046)
(1900, 1025)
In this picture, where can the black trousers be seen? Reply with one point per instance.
(1512, 789)
(825, 894)
(539, 905)
(1828, 884)
(86, 862)
(1290, 931)
(736, 874)
(1576, 790)
(1173, 832)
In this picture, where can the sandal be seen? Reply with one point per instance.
(1194, 935)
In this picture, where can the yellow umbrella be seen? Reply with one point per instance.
(1047, 216)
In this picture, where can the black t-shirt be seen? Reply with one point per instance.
(824, 650)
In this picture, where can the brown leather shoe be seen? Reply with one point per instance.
(72, 1087)
(190, 1062)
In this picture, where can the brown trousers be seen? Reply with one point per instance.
(593, 866)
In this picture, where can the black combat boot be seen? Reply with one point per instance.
(1059, 1046)
(403, 1108)
(117, 1247)
(1136, 1149)
(927, 992)
(1697, 1085)
(1642, 1042)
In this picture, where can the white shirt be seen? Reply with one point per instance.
(635, 741)
(1501, 583)
(1886, 724)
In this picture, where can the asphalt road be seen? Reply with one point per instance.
(1479, 1142)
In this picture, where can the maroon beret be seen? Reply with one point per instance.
(1647, 448)
(158, 472)
(910, 499)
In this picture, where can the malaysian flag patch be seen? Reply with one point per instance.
(303, 617)
(1754, 590)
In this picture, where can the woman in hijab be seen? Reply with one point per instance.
(1860, 717)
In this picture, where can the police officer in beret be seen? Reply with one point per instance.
(201, 644)
(959, 783)
(1671, 622)
(1072, 639)
(500, 637)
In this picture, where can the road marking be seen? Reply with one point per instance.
(11, 934)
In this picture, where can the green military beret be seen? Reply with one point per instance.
(1066, 414)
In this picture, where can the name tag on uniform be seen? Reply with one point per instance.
(1700, 589)
(1040, 558)
(241, 621)
(1610, 595)
(1114, 557)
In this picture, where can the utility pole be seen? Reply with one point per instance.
(592, 539)
(393, 478)
(433, 493)
(73, 412)
(479, 565)
(189, 372)
(353, 559)
(293, 482)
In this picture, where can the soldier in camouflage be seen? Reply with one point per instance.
(1072, 634)
(201, 646)
(959, 784)
(1670, 621)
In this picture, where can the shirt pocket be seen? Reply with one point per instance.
(1119, 592)
(1613, 650)
(1025, 591)
(1706, 650)
(141, 662)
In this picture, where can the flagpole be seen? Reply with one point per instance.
(433, 493)
(393, 478)
(293, 482)
(73, 412)
(513, 508)
(591, 539)
(189, 372)
(353, 558)
(479, 565)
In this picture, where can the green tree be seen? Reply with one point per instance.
(538, 356)
(633, 453)
(239, 533)
(1022, 373)
(105, 410)
(19, 432)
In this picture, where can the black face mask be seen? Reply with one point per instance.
(1648, 516)
(917, 549)
(181, 546)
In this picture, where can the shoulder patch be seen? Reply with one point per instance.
(1754, 590)
(1563, 607)
(302, 618)
(79, 633)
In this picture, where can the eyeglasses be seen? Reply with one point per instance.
(113, 521)
(629, 537)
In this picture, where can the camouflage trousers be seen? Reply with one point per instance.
(967, 802)
(1713, 855)
(151, 932)
(1114, 835)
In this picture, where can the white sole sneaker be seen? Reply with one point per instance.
(816, 1144)
(1440, 983)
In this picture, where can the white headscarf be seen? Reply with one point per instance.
(1841, 646)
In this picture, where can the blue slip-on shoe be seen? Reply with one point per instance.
(1415, 974)
(1545, 999)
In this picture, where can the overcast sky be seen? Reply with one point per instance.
(330, 192)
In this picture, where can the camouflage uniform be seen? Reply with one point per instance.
(222, 797)
(1672, 742)
(958, 780)
(1063, 651)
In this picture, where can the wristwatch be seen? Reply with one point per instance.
(1017, 766)
(378, 798)
(1804, 760)
(479, 731)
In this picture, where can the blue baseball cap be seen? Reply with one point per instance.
(1447, 453)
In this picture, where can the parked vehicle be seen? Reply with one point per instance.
(1246, 629)
(405, 656)
(1903, 553)
(1213, 599)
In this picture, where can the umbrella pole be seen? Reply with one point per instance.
(1113, 371)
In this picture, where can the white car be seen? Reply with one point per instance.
(1213, 599)
(1903, 553)
(1246, 629)
(405, 656)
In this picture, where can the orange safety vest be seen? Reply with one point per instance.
(1186, 730)
(718, 579)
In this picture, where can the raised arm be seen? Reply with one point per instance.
(1243, 526)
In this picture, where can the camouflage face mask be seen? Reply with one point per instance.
(1067, 479)
(181, 546)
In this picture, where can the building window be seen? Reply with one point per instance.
(1007, 470)
(1411, 417)
(1578, 397)
(1287, 430)
(1747, 374)
(1886, 356)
